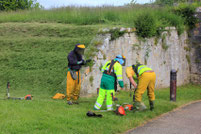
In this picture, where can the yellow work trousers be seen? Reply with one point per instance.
(146, 81)
(73, 87)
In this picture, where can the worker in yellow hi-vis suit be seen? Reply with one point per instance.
(146, 80)
(75, 62)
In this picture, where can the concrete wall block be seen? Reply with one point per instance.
(160, 60)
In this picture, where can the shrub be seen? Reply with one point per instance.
(145, 25)
(169, 19)
(18, 4)
(187, 12)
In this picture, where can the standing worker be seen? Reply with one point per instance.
(112, 71)
(146, 80)
(75, 62)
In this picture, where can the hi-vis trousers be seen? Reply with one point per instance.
(146, 81)
(101, 97)
(73, 87)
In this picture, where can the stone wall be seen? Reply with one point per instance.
(161, 54)
(195, 41)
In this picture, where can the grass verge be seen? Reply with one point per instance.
(44, 115)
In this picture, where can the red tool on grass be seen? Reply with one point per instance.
(27, 97)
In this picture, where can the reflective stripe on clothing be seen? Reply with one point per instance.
(98, 104)
(101, 97)
(110, 108)
(96, 107)
(141, 67)
(109, 105)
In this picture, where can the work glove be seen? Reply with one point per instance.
(89, 60)
(82, 62)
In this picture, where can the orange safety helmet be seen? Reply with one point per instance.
(120, 111)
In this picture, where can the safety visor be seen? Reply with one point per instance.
(80, 51)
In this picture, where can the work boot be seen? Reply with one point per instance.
(151, 104)
(69, 103)
(139, 106)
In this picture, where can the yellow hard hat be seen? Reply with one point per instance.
(81, 46)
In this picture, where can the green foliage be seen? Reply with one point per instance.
(167, 18)
(186, 48)
(187, 12)
(111, 16)
(188, 59)
(116, 33)
(145, 25)
(156, 41)
(91, 79)
(156, 18)
(6, 5)
(136, 47)
(164, 45)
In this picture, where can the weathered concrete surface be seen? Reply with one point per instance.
(161, 54)
(186, 120)
(195, 41)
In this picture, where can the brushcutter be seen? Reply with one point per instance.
(27, 97)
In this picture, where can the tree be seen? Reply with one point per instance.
(6, 5)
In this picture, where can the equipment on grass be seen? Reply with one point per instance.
(92, 114)
(27, 97)
(120, 111)
(128, 107)
(59, 96)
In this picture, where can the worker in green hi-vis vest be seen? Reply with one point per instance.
(111, 70)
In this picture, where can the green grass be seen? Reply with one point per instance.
(125, 16)
(44, 115)
(87, 15)
(33, 55)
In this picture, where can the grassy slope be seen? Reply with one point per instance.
(44, 115)
(33, 55)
